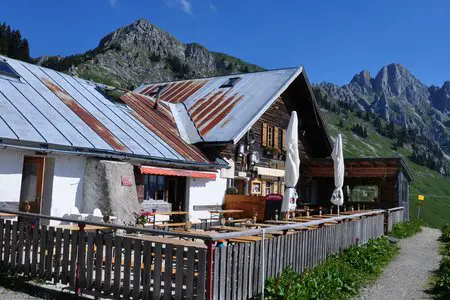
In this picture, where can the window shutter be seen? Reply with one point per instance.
(276, 138)
(264, 135)
(284, 140)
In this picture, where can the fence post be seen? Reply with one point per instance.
(77, 274)
(209, 258)
(386, 221)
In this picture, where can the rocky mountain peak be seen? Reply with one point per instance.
(363, 80)
(142, 52)
(440, 96)
(395, 80)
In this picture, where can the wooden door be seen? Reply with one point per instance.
(32, 184)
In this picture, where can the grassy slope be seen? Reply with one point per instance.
(436, 211)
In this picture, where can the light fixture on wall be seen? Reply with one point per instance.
(253, 158)
(241, 150)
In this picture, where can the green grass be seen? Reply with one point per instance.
(441, 278)
(339, 277)
(436, 188)
(406, 229)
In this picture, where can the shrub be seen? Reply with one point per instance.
(442, 275)
(445, 237)
(407, 228)
(340, 277)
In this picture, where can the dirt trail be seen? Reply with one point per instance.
(407, 275)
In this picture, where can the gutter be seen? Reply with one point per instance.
(163, 162)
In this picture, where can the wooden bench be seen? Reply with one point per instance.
(170, 225)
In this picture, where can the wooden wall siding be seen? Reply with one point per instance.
(109, 266)
(248, 204)
(237, 268)
(277, 115)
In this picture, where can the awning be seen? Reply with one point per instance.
(270, 172)
(177, 172)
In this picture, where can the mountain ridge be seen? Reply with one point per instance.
(142, 52)
(397, 96)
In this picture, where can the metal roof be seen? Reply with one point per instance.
(208, 112)
(52, 109)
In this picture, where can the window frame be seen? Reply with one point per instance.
(12, 74)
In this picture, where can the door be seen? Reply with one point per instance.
(32, 184)
(172, 194)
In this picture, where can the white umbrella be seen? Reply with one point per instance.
(337, 198)
(292, 168)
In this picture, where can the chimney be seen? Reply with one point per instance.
(161, 89)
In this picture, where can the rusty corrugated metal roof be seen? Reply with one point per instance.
(52, 109)
(223, 114)
(161, 122)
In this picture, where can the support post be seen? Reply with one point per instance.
(209, 270)
(263, 271)
(77, 272)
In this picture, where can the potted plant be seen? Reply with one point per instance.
(142, 218)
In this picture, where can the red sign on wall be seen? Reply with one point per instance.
(127, 180)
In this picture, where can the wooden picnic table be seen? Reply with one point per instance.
(280, 222)
(74, 227)
(169, 225)
(7, 215)
(257, 225)
(168, 213)
(227, 228)
(245, 239)
(195, 231)
(171, 213)
(226, 211)
(236, 221)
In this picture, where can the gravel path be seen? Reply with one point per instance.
(407, 275)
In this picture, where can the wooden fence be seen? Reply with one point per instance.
(393, 216)
(106, 264)
(238, 268)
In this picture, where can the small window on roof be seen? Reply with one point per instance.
(7, 70)
(230, 82)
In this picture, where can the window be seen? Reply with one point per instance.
(270, 136)
(7, 70)
(230, 82)
(364, 193)
(154, 187)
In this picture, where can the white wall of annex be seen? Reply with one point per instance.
(67, 184)
(205, 192)
(11, 164)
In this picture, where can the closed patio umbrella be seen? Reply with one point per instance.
(337, 198)
(292, 168)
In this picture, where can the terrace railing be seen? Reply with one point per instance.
(108, 264)
(393, 216)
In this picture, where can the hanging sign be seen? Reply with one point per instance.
(126, 181)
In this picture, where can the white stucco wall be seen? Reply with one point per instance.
(205, 192)
(67, 184)
(11, 163)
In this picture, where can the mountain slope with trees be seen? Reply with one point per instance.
(12, 44)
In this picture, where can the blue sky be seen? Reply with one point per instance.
(332, 39)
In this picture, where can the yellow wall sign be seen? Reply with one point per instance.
(421, 197)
